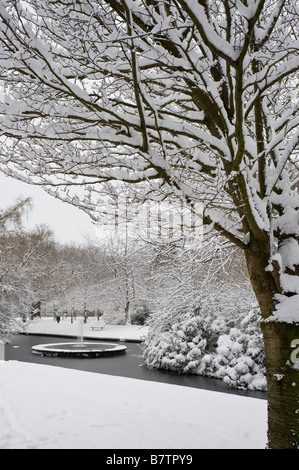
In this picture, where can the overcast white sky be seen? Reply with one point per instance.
(68, 223)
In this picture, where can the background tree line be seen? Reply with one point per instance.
(124, 278)
(38, 275)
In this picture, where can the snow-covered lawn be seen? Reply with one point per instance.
(65, 327)
(44, 407)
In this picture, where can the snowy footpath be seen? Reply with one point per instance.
(46, 407)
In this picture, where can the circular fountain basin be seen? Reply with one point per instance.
(79, 350)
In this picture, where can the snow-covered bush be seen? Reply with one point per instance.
(203, 345)
(140, 313)
(180, 348)
(177, 341)
(239, 357)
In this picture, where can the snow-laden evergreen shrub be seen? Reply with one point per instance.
(199, 344)
(140, 314)
(239, 357)
(178, 349)
(178, 341)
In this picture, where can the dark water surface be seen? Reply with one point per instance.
(127, 365)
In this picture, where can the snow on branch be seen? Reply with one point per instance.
(225, 226)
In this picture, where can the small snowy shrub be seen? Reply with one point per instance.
(140, 314)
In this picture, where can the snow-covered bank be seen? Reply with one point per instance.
(48, 326)
(50, 407)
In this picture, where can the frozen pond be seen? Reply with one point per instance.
(127, 365)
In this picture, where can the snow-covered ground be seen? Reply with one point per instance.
(66, 328)
(44, 407)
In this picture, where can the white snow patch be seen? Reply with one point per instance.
(46, 407)
(287, 310)
(66, 328)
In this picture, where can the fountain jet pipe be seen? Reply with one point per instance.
(81, 325)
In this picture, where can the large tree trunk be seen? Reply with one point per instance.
(257, 257)
(283, 384)
(281, 369)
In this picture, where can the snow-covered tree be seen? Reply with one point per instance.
(87, 269)
(33, 273)
(126, 286)
(193, 99)
(12, 290)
